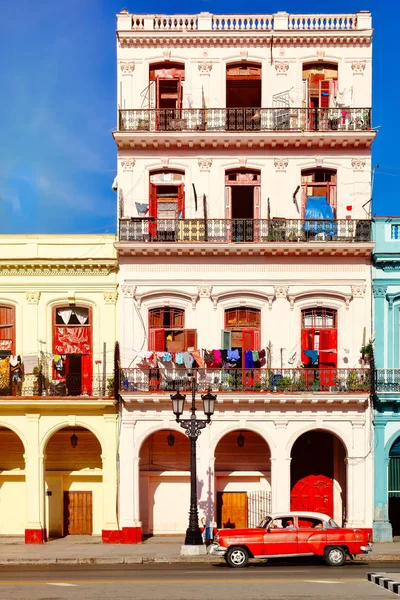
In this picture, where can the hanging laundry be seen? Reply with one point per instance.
(197, 357)
(188, 360)
(217, 357)
(261, 354)
(179, 358)
(312, 355)
(209, 356)
(248, 359)
(233, 355)
(5, 373)
(224, 356)
(167, 357)
(255, 355)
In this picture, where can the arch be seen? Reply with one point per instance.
(231, 298)
(243, 80)
(17, 432)
(391, 441)
(309, 299)
(143, 437)
(236, 427)
(307, 428)
(79, 423)
(155, 298)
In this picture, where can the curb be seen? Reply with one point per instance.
(139, 560)
(388, 584)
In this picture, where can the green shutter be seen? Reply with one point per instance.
(226, 339)
(394, 477)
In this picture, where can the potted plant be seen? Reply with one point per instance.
(367, 351)
(110, 386)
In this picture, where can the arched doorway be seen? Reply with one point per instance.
(74, 489)
(12, 484)
(242, 479)
(243, 96)
(165, 91)
(318, 474)
(394, 486)
(166, 204)
(164, 486)
(72, 364)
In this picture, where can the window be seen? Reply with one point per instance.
(7, 329)
(72, 315)
(395, 232)
(319, 317)
(310, 523)
(167, 331)
(319, 338)
(242, 329)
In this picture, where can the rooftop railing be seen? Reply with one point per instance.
(211, 120)
(246, 380)
(246, 22)
(70, 386)
(222, 231)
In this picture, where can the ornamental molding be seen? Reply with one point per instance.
(146, 39)
(204, 164)
(281, 164)
(204, 291)
(129, 291)
(358, 291)
(379, 291)
(58, 269)
(204, 68)
(390, 266)
(358, 67)
(32, 297)
(127, 164)
(127, 68)
(358, 164)
(281, 291)
(110, 297)
(281, 67)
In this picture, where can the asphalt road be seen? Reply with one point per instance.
(193, 581)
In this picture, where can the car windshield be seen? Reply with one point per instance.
(333, 524)
(265, 522)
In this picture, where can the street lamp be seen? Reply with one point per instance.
(192, 429)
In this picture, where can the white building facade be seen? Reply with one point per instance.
(244, 249)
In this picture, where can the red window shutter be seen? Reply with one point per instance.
(324, 93)
(190, 339)
(248, 339)
(153, 200)
(257, 344)
(307, 343)
(157, 340)
(86, 382)
(181, 202)
(328, 348)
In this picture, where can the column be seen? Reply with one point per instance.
(126, 324)
(379, 292)
(206, 334)
(356, 477)
(280, 481)
(381, 528)
(131, 527)
(110, 533)
(35, 532)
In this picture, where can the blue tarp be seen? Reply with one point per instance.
(312, 355)
(318, 209)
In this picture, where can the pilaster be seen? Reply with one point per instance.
(35, 532)
(110, 532)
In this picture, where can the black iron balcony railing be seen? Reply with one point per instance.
(247, 380)
(71, 385)
(387, 380)
(223, 231)
(245, 119)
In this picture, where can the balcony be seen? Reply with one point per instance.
(71, 387)
(236, 120)
(236, 231)
(266, 381)
(387, 381)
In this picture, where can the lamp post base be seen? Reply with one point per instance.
(193, 536)
(193, 550)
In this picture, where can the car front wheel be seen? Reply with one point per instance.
(237, 557)
(335, 556)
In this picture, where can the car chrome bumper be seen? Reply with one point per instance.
(366, 549)
(217, 550)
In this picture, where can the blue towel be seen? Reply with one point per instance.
(248, 360)
(312, 354)
(233, 355)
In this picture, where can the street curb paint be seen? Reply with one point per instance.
(388, 584)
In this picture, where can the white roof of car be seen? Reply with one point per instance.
(297, 513)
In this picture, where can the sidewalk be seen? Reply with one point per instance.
(163, 549)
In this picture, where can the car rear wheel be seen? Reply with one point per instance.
(335, 556)
(237, 557)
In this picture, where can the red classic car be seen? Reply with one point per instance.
(291, 534)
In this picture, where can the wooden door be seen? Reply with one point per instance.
(78, 513)
(313, 493)
(232, 509)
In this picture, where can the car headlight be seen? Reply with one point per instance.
(216, 539)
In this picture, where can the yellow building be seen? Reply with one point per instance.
(58, 413)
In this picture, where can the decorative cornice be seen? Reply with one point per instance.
(128, 291)
(110, 297)
(358, 291)
(204, 291)
(358, 164)
(281, 67)
(281, 164)
(204, 164)
(358, 67)
(204, 68)
(281, 291)
(214, 39)
(390, 266)
(57, 268)
(32, 297)
(127, 68)
(127, 164)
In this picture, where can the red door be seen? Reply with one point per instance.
(250, 341)
(313, 493)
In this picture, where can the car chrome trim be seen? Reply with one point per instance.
(284, 555)
(217, 550)
(367, 548)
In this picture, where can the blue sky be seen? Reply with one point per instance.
(58, 70)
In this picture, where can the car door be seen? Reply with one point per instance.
(311, 536)
(279, 540)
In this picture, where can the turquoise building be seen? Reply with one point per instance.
(386, 327)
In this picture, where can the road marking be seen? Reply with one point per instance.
(323, 581)
(64, 584)
(174, 581)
